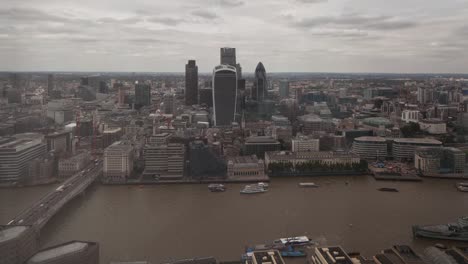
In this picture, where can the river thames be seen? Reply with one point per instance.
(165, 222)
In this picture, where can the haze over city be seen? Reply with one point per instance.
(287, 35)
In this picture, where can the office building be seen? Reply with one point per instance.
(74, 164)
(73, 252)
(110, 136)
(245, 166)
(425, 95)
(204, 162)
(435, 160)
(15, 155)
(168, 104)
(312, 123)
(259, 89)
(59, 142)
(61, 111)
(50, 83)
(191, 83)
(142, 95)
(118, 162)
(303, 143)
(433, 126)
(410, 116)
(325, 157)
(404, 148)
(258, 145)
(159, 139)
(224, 95)
(206, 96)
(17, 243)
(165, 161)
(370, 148)
(228, 56)
(239, 71)
(284, 89)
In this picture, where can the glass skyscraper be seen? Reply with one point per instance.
(224, 95)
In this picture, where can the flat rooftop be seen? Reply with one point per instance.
(11, 232)
(417, 141)
(244, 159)
(57, 251)
(371, 139)
(261, 139)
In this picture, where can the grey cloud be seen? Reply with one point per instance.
(205, 14)
(230, 3)
(29, 15)
(356, 21)
(170, 21)
(311, 1)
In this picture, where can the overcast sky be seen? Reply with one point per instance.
(286, 35)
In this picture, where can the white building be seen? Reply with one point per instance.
(433, 126)
(410, 116)
(302, 144)
(118, 162)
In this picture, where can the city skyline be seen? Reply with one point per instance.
(297, 35)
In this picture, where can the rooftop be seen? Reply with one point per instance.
(371, 139)
(261, 139)
(11, 232)
(57, 251)
(418, 141)
(244, 159)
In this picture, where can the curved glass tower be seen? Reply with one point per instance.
(259, 90)
(224, 95)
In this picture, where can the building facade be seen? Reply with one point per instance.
(370, 148)
(284, 89)
(17, 243)
(325, 157)
(245, 166)
(258, 145)
(404, 148)
(191, 83)
(69, 166)
(142, 95)
(259, 89)
(224, 95)
(15, 155)
(302, 144)
(118, 162)
(165, 161)
(228, 56)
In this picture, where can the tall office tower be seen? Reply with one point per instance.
(168, 101)
(191, 83)
(50, 83)
(284, 88)
(142, 95)
(15, 80)
(228, 56)
(16, 153)
(206, 96)
(259, 90)
(239, 71)
(224, 95)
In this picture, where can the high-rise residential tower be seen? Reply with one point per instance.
(228, 56)
(259, 90)
(224, 95)
(191, 83)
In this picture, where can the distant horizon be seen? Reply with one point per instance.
(243, 72)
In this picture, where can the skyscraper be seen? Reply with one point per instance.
(259, 90)
(50, 83)
(224, 95)
(142, 95)
(228, 56)
(284, 88)
(239, 71)
(191, 83)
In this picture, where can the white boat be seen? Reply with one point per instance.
(263, 184)
(308, 184)
(462, 184)
(462, 188)
(299, 240)
(251, 189)
(216, 187)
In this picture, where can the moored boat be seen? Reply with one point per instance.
(452, 231)
(385, 189)
(308, 184)
(252, 189)
(214, 187)
(462, 188)
(299, 240)
(263, 184)
(463, 184)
